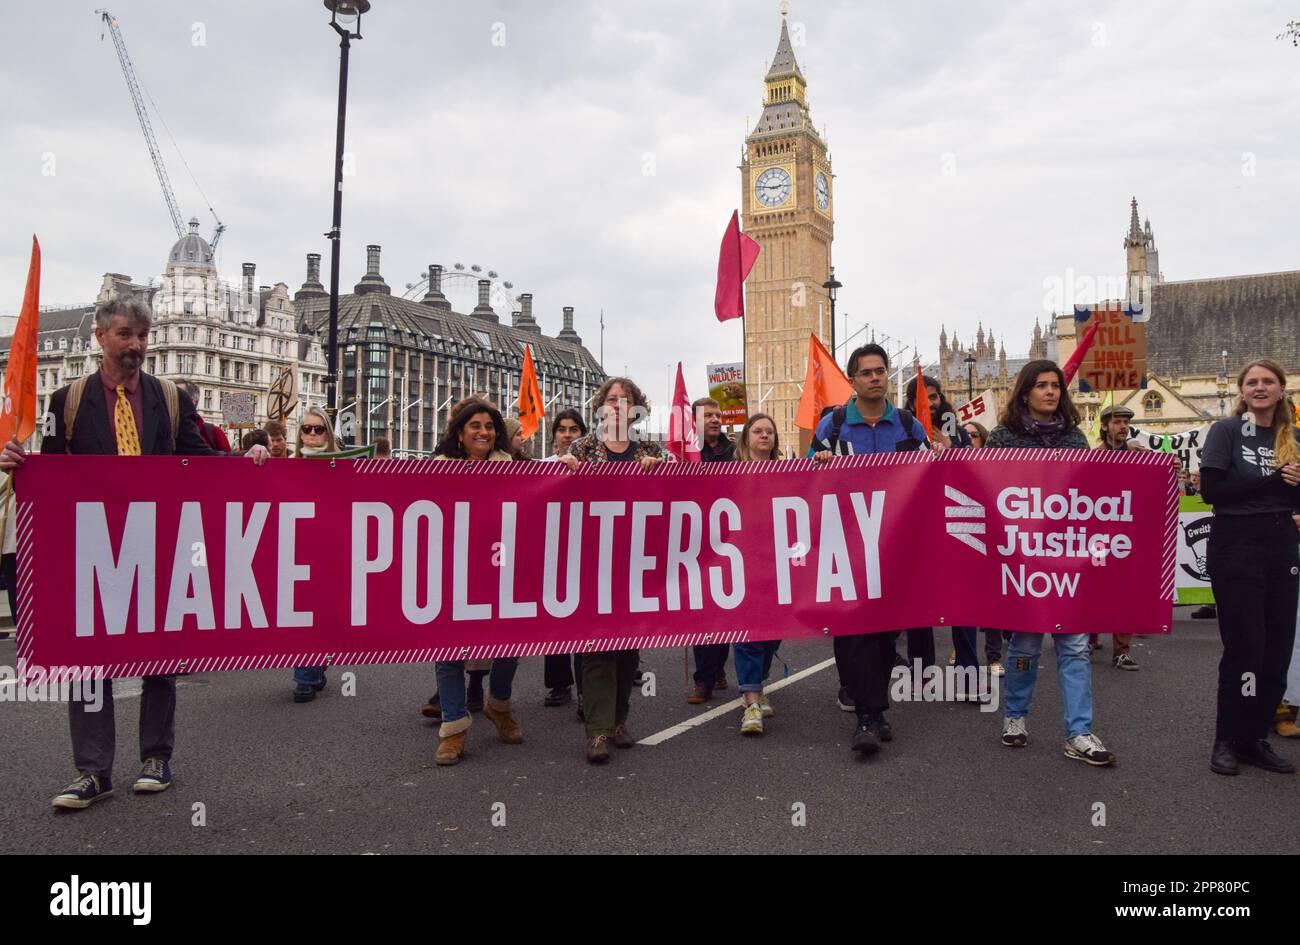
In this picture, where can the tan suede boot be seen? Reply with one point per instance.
(499, 713)
(451, 741)
(1284, 721)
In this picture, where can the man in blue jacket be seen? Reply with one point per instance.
(868, 423)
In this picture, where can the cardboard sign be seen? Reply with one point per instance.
(237, 408)
(980, 410)
(1117, 359)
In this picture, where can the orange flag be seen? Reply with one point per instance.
(530, 397)
(18, 410)
(824, 385)
(923, 404)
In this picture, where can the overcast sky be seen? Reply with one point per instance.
(984, 152)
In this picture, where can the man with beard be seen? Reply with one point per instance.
(710, 658)
(120, 410)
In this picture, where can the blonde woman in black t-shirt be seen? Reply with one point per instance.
(1250, 469)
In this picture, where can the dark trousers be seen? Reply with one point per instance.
(94, 734)
(865, 661)
(9, 565)
(710, 661)
(920, 646)
(992, 645)
(607, 689)
(1255, 574)
(560, 670)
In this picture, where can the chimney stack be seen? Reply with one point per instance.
(567, 333)
(372, 281)
(250, 269)
(526, 321)
(312, 288)
(484, 308)
(434, 297)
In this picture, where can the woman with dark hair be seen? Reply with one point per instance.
(1039, 415)
(758, 443)
(1250, 468)
(559, 670)
(473, 435)
(607, 676)
(979, 436)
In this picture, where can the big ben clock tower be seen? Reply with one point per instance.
(787, 196)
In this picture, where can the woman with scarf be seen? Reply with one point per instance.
(474, 434)
(315, 436)
(1039, 415)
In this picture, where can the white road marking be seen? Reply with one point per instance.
(727, 708)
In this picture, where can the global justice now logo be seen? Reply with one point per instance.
(1058, 526)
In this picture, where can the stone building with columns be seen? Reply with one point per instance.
(224, 338)
(403, 361)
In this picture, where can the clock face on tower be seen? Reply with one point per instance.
(823, 191)
(773, 186)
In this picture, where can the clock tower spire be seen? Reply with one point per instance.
(786, 193)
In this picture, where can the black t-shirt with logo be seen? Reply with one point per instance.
(627, 456)
(1244, 452)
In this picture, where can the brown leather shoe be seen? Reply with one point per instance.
(451, 748)
(699, 696)
(721, 682)
(621, 737)
(597, 751)
(499, 713)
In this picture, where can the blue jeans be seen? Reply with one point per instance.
(451, 684)
(1072, 666)
(753, 663)
(309, 675)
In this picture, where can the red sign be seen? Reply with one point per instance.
(158, 564)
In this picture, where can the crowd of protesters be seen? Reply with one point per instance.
(1249, 475)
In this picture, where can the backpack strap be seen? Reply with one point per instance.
(905, 420)
(837, 421)
(172, 399)
(70, 405)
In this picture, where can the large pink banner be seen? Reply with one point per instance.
(165, 564)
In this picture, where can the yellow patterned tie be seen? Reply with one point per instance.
(128, 440)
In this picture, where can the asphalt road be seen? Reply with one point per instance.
(355, 774)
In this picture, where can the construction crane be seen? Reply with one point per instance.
(133, 86)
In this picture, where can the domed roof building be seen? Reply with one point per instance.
(192, 251)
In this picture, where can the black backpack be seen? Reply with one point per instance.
(838, 413)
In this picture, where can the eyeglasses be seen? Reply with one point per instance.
(313, 429)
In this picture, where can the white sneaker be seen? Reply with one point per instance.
(1015, 733)
(751, 723)
(768, 711)
(1088, 748)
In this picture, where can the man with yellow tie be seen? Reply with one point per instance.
(123, 411)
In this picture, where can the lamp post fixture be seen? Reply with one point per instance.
(832, 287)
(970, 377)
(345, 17)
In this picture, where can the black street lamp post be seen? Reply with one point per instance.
(970, 378)
(345, 17)
(832, 287)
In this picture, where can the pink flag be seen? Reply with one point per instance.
(683, 439)
(1081, 352)
(735, 259)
